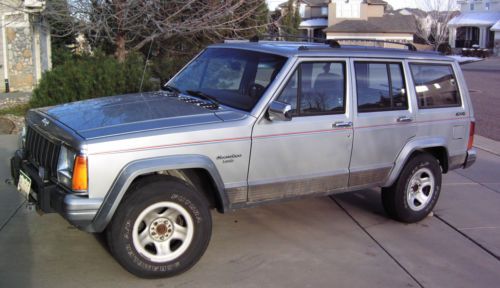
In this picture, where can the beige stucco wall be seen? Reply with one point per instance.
(374, 10)
(332, 14)
(365, 12)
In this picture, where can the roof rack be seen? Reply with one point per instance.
(257, 38)
(410, 46)
(333, 43)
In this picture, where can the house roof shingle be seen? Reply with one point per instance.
(385, 24)
(376, 2)
(316, 2)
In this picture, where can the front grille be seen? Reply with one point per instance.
(42, 152)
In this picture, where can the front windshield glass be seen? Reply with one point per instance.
(232, 77)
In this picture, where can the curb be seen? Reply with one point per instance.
(487, 144)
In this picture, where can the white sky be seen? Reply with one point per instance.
(397, 4)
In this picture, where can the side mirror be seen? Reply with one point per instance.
(279, 111)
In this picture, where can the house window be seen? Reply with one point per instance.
(348, 10)
(302, 10)
(487, 6)
(472, 7)
(324, 11)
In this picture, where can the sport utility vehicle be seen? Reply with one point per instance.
(245, 124)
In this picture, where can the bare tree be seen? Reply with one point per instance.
(433, 29)
(132, 24)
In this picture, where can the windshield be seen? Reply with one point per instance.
(232, 77)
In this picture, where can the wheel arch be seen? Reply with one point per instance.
(435, 146)
(196, 169)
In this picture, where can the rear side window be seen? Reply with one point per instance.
(380, 87)
(435, 85)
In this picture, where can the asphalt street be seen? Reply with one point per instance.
(341, 241)
(483, 79)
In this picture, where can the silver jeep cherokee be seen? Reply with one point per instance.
(241, 125)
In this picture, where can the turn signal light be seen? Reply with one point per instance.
(80, 179)
(471, 135)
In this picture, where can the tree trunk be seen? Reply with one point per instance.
(121, 51)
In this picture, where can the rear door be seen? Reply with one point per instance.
(384, 120)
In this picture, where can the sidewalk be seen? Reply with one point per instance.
(487, 144)
(8, 99)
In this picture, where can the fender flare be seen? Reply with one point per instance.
(407, 151)
(144, 166)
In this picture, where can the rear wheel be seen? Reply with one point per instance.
(161, 228)
(415, 193)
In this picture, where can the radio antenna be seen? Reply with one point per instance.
(146, 65)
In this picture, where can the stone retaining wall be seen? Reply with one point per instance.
(20, 64)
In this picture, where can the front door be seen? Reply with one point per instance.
(384, 120)
(310, 153)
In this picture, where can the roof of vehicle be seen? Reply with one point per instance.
(309, 49)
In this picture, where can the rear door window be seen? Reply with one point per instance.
(436, 85)
(380, 87)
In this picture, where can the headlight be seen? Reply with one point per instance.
(65, 166)
(22, 137)
(72, 170)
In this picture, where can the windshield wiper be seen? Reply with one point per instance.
(171, 88)
(204, 96)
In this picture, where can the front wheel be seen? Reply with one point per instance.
(416, 191)
(161, 228)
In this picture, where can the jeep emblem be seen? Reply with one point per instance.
(45, 122)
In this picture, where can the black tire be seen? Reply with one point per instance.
(397, 199)
(159, 190)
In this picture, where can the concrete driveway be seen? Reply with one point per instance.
(343, 241)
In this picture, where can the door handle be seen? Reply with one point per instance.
(342, 124)
(403, 119)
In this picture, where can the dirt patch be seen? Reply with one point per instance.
(6, 126)
(11, 124)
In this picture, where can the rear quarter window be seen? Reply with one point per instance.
(436, 86)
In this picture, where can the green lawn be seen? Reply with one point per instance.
(18, 110)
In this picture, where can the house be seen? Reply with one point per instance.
(24, 44)
(367, 19)
(313, 16)
(478, 24)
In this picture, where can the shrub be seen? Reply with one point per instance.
(85, 77)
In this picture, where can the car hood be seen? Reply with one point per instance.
(129, 113)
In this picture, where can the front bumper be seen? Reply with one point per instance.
(50, 198)
(471, 158)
